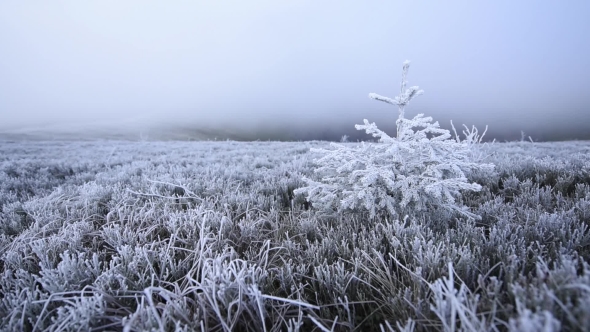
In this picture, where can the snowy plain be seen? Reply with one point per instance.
(136, 236)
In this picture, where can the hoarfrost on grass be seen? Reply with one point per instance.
(115, 244)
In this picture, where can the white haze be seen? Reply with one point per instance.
(272, 66)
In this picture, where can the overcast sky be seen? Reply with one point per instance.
(510, 64)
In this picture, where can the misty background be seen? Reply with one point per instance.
(290, 70)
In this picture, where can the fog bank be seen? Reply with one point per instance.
(290, 70)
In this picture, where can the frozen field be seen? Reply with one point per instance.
(208, 236)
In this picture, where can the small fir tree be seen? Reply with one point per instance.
(423, 167)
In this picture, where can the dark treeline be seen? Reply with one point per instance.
(297, 132)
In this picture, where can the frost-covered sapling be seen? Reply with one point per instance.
(423, 167)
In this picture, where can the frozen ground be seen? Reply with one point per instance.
(208, 236)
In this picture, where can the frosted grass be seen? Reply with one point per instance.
(208, 236)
